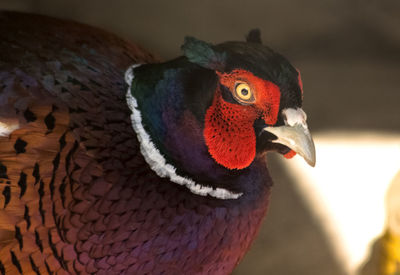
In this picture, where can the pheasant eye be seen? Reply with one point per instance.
(243, 92)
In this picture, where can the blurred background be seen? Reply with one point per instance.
(343, 216)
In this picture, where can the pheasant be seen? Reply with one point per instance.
(163, 174)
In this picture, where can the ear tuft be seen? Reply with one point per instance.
(254, 36)
(203, 54)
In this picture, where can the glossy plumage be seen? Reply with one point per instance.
(77, 195)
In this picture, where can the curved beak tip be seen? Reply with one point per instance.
(311, 160)
(297, 138)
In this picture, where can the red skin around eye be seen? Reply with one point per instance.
(300, 81)
(229, 132)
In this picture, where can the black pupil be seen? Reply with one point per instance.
(244, 91)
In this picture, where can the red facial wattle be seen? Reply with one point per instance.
(290, 154)
(229, 131)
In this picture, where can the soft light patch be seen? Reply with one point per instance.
(346, 190)
(7, 127)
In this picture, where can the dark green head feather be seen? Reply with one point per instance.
(203, 54)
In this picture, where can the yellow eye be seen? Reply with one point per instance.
(243, 92)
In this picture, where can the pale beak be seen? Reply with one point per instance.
(295, 134)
